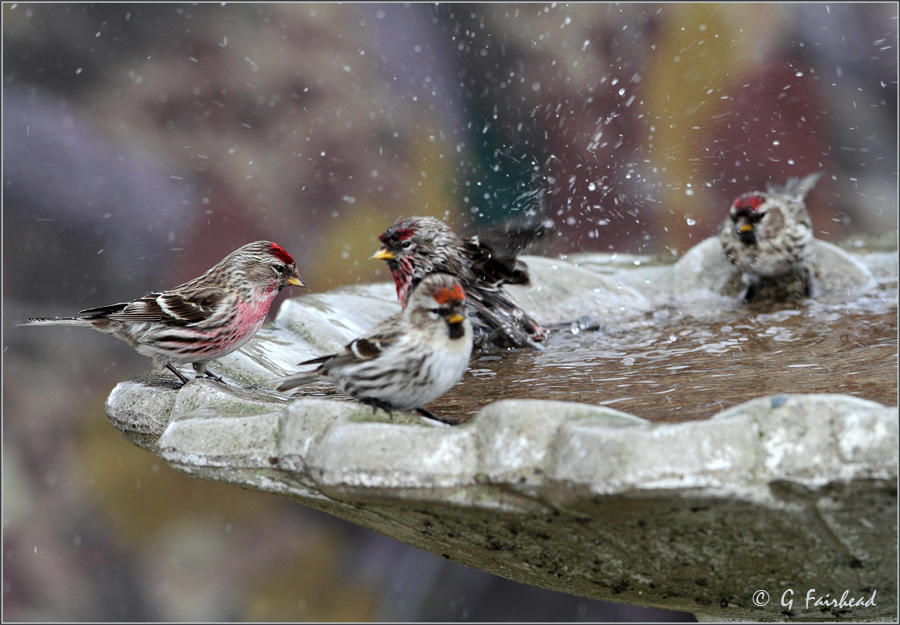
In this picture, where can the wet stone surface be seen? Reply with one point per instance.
(763, 453)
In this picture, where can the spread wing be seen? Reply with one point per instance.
(797, 188)
(495, 249)
(495, 268)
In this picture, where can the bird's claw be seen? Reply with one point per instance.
(431, 415)
(214, 377)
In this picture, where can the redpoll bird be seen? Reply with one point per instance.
(417, 246)
(200, 320)
(409, 359)
(768, 235)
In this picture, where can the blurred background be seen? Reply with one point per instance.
(143, 142)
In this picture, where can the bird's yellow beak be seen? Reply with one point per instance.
(382, 254)
(455, 318)
(745, 227)
(294, 280)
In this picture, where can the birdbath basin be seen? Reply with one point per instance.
(669, 447)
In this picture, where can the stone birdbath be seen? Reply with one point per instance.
(732, 491)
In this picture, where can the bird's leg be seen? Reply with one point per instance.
(750, 292)
(431, 415)
(200, 368)
(376, 404)
(539, 332)
(808, 288)
(215, 377)
(181, 377)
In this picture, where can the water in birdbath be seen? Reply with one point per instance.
(691, 358)
(673, 367)
(677, 369)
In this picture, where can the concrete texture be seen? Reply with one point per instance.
(785, 492)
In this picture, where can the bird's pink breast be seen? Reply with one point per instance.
(248, 319)
(403, 275)
(252, 314)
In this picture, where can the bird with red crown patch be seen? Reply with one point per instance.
(409, 359)
(417, 246)
(202, 319)
(768, 234)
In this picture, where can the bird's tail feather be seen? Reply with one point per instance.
(293, 381)
(55, 321)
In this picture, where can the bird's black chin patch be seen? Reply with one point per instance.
(456, 330)
(747, 238)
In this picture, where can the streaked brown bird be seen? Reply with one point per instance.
(202, 319)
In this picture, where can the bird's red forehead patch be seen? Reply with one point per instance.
(281, 254)
(446, 295)
(748, 203)
(395, 234)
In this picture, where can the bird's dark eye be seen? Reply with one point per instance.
(405, 244)
(280, 268)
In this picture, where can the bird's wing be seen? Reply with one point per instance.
(358, 350)
(174, 307)
(493, 268)
(102, 311)
(317, 361)
(368, 346)
(495, 316)
(495, 249)
(490, 305)
(796, 187)
(364, 348)
(191, 306)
